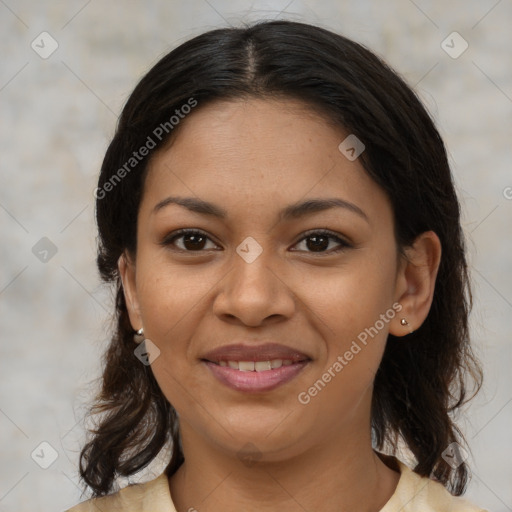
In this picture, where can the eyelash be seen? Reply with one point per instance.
(168, 240)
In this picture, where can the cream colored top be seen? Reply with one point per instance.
(412, 494)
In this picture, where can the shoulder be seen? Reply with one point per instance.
(153, 495)
(415, 493)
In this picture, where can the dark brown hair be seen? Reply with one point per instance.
(419, 383)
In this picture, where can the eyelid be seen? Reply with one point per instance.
(343, 242)
(168, 239)
(326, 232)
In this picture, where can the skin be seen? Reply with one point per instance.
(252, 158)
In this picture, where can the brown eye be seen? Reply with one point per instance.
(318, 242)
(192, 240)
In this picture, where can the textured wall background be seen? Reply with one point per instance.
(57, 115)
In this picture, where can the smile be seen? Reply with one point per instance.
(256, 366)
(255, 376)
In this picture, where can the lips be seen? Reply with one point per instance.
(255, 353)
(255, 369)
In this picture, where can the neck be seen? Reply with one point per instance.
(331, 476)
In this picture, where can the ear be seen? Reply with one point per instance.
(416, 279)
(127, 272)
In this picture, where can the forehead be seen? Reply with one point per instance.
(262, 151)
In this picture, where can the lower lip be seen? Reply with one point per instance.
(255, 381)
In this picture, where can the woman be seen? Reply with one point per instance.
(278, 216)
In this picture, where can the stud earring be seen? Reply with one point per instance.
(405, 323)
(138, 337)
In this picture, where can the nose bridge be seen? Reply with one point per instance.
(252, 266)
(252, 290)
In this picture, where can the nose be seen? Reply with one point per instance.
(255, 291)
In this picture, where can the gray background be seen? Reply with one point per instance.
(57, 116)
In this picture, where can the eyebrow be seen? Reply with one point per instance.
(293, 211)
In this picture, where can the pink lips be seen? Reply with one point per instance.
(265, 352)
(255, 381)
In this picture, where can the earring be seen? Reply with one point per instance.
(405, 323)
(138, 337)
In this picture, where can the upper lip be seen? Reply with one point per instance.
(264, 352)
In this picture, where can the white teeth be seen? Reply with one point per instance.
(258, 366)
(261, 366)
(246, 366)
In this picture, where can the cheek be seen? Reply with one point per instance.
(167, 289)
(355, 343)
(354, 296)
(172, 303)
(355, 307)
(169, 300)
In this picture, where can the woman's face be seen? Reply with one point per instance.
(256, 275)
